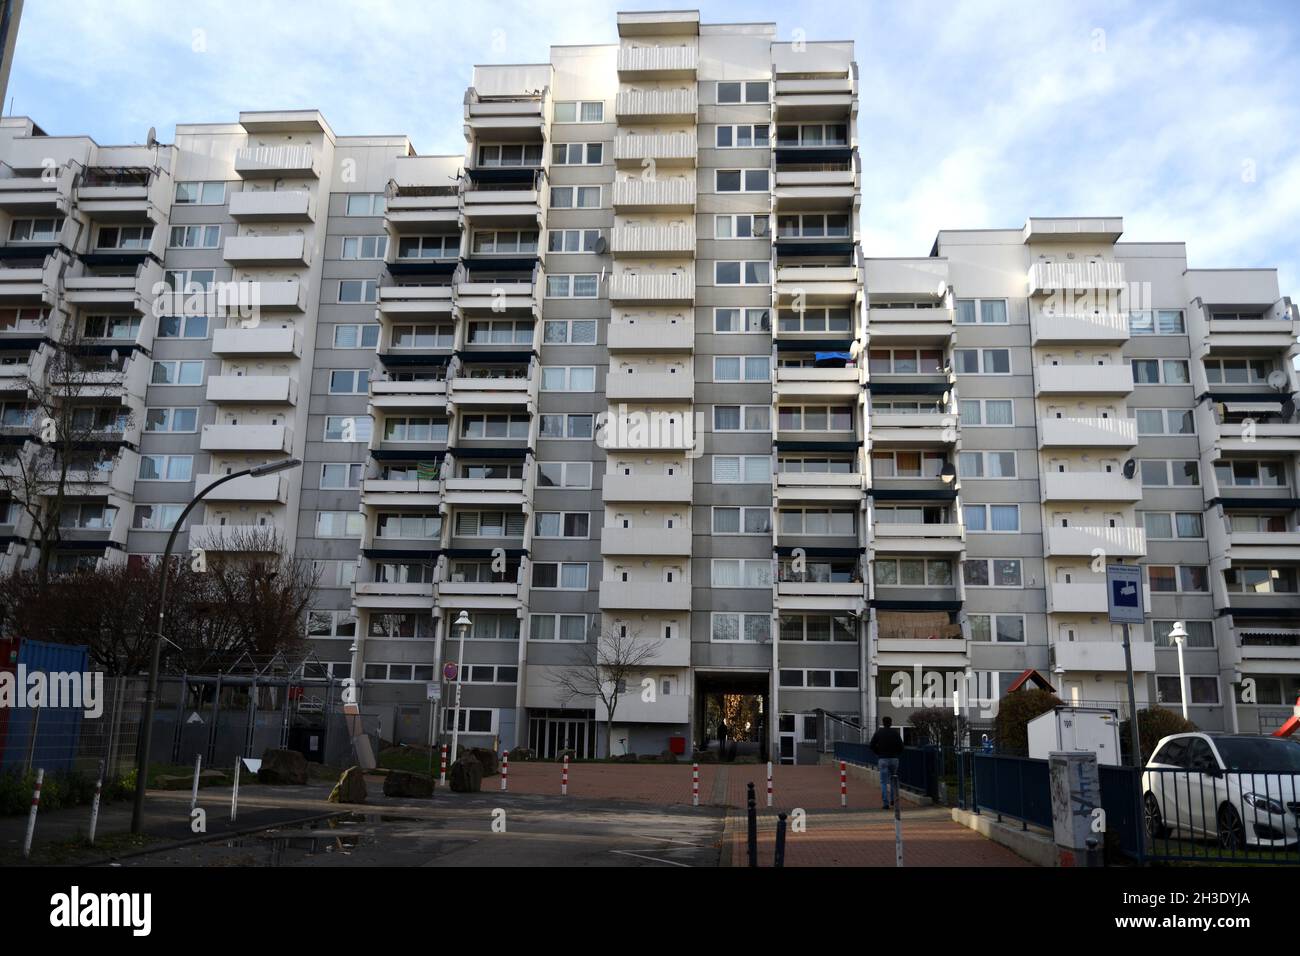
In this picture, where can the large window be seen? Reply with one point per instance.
(741, 573)
(365, 204)
(579, 111)
(752, 272)
(992, 518)
(982, 311)
(742, 418)
(741, 180)
(748, 92)
(998, 628)
(201, 194)
(992, 572)
(510, 154)
(733, 627)
(913, 572)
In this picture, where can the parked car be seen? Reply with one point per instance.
(1243, 791)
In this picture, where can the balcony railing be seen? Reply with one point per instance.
(1102, 275)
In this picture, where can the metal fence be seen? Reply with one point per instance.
(919, 768)
(70, 740)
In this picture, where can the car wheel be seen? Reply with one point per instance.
(1232, 834)
(1154, 821)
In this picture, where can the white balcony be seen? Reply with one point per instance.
(653, 240)
(236, 538)
(393, 595)
(1118, 433)
(814, 487)
(408, 396)
(1089, 486)
(909, 326)
(1263, 546)
(493, 298)
(920, 429)
(507, 117)
(817, 284)
(663, 542)
(260, 340)
(1082, 542)
(1091, 328)
(650, 386)
(23, 196)
(910, 279)
(920, 538)
(645, 595)
(275, 162)
(1104, 275)
(247, 488)
(1104, 655)
(1113, 379)
(1087, 597)
(422, 213)
(632, 149)
(821, 596)
(795, 190)
(650, 335)
(666, 488)
(132, 291)
(281, 205)
(31, 286)
(223, 438)
(654, 195)
(652, 287)
(521, 206)
(665, 709)
(645, 106)
(269, 296)
(507, 492)
(253, 389)
(283, 250)
(492, 391)
(657, 62)
(815, 383)
(409, 301)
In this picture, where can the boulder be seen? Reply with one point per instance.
(351, 787)
(403, 783)
(466, 775)
(283, 767)
(487, 760)
(522, 754)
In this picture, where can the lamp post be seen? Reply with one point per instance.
(1178, 633)
(151, 693)
(462, 632)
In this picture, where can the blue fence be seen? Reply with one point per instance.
(918, 769)
(1015, 787)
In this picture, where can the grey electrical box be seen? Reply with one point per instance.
(1078, 826)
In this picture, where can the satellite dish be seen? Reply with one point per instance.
(942, 291)
(1130, 468)
(600, 246)
(1277, 379)
(1287, 411)
(947, 398)
(151, 137)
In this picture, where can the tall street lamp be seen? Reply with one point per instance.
(462, 632)
(1178, 634)
(151, 694)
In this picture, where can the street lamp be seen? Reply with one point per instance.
(151, 693)
(1178, 633)
(462, 632)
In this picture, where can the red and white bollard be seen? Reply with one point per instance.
(695, 784)
(769, 783)
(505, 769)
(31, 819)
(442, 767)
(844, 784)
(564, 778)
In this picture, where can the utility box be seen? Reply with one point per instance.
(1078, 824)
(1091, 729)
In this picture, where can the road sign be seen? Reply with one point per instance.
(1124, 593)
(433, 690)
(449, 670)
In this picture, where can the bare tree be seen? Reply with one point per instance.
(605, 671)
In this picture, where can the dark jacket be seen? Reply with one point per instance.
(887, 742)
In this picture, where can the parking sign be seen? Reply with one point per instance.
(1124, 593)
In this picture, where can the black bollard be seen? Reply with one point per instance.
(753, 828)
(780, 840)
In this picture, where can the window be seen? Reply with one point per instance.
(139, 237)
(504, 242)
(1164, 421)
(986, 464)
(156, 517)
(742, 520)
(821, 679)
(1259, 579)
(990, 412)
(744, 136)
(201, 194)
(190, 280)
(349, 381)
(178, 327)
(473, 720)
(812, 134)
(118, 327)
(566, 426)
(340, 524)
(741, 180)
(568, 378)
(490, 524)
(561, 524)
(358, 290)
(557, 627)
(502, 332)
(1160, 372)
(1201, 690)
(742, 418)
(1158, 473)
(817, 521)
(407, 525)
(992, 573)
(1200, 634)
(740, 226)
(348, 428)
(830, 319)
(816, 628)
(575, 197)
(560, 577)
(1160, 322)
(364, 204)
(742, 368)
(1240, 473)
(982, 311)
(983, 361)
(428, 247)
(510, 154)
(742, 469)
(1170, 525)
(998, 628)
(814, 418)
(418, 428)
(905, 361)
(1178, 579)
(579, 111)
(583, 286)
(752, 272)
(742, 573)
(492, 674)
(36, 230)
(171, 420)
(572, 240)
(331, 624)
(87, 516)
(748, 92)
(736, 321)
(166, 467)
(192, 237)
(564, 474)
(577, 154)
(913, 572)
(728, 628)
(340, 475)
(361, 336)
(568, 332)
(177, 373)
(813, 226)
(1239, 371)
(365, 247)
(992, 518)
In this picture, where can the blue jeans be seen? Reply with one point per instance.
(888, 767)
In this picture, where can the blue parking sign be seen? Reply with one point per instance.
(1124, 593)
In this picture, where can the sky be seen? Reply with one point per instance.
(1184, 118)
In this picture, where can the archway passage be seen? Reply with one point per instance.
(732, 714)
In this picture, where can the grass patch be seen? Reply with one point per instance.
(76, 850)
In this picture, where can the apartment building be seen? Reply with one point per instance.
(619, 374)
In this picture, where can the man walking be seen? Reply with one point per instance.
(887, 745)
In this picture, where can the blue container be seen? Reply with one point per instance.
(57, 729)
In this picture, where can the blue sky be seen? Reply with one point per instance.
(1182, 117)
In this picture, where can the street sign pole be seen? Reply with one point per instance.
(1124, 607)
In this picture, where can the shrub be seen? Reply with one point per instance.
(1015, 711)
(1153, 723)
(933, 726)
